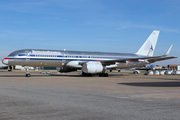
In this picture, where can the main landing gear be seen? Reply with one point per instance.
(91, 75)
(103, 75)
(28, 75)
(27, 72)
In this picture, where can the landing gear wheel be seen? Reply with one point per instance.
(100, 74)
(28, 75)
(103, 75)
(106, 75)
(27, 71)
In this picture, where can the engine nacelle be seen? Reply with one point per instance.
(65, 69)
(92, 67)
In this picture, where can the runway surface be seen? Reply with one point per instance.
(70, 96)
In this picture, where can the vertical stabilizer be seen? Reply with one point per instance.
(147, 49)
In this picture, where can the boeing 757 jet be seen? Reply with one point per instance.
(88, 62)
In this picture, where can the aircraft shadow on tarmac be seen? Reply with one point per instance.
(168, 79)
(153, 84)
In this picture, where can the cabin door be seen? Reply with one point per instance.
(63, 58)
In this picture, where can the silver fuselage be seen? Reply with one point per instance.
(60, 58)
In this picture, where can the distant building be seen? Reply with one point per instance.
(173, 67)
(158, 67)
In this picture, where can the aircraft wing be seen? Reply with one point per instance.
(149, 59)
(163, 58)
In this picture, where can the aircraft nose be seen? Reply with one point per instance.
(5, 61)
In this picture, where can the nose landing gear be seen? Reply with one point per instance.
(27, 72)
(28, 75)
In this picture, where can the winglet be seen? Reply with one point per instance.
(168, 51)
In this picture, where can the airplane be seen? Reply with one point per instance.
(89, 62)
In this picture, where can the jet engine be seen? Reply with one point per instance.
(65, 69)
(92, 67)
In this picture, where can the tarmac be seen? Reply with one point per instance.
(121, 96)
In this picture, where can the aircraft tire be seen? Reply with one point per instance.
(100, 74)
(28, 75)
(106, 75)
(103, 75)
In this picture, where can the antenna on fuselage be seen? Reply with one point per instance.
(64, 49)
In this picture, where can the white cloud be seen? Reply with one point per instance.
(148, 27)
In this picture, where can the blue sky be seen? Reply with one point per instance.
(89, 25)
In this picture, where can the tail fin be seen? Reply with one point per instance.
(147, 49)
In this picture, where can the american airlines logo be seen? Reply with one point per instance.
(151, 48)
